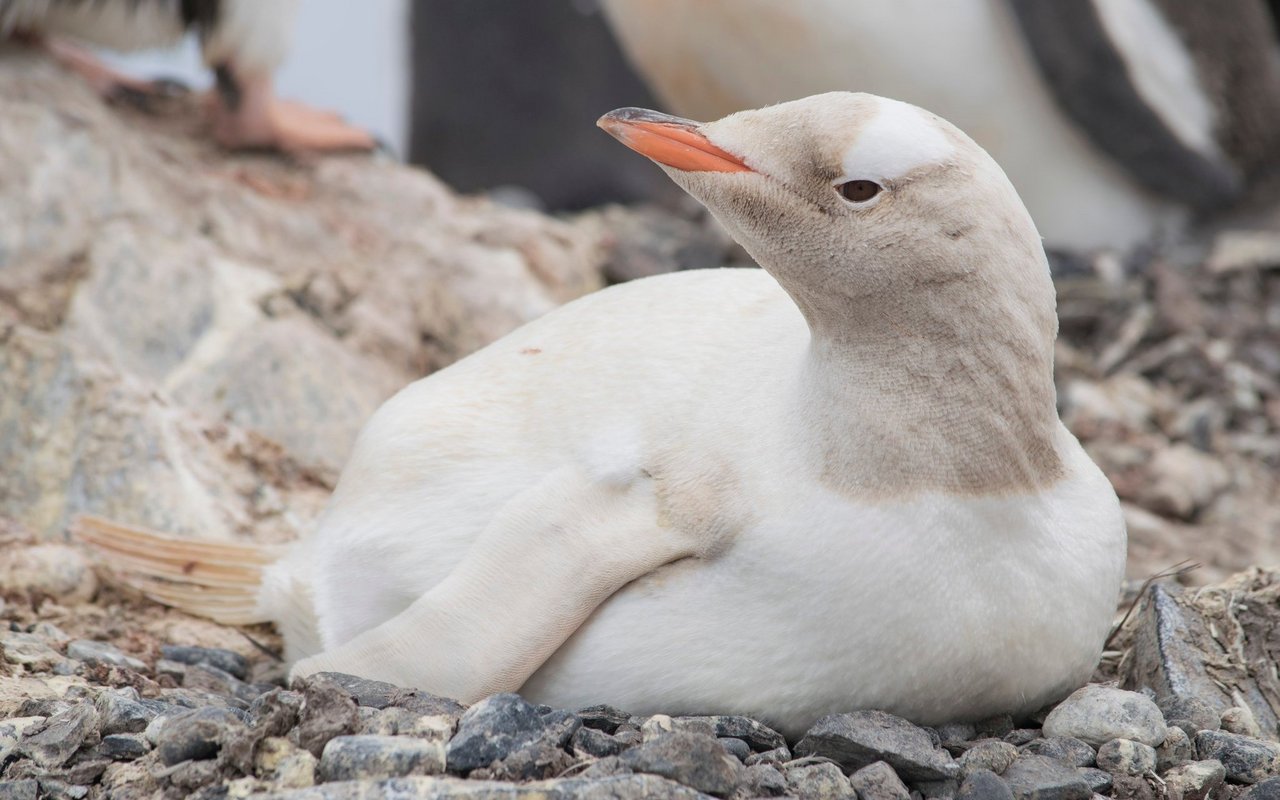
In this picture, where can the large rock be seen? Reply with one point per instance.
(860, 738)
(191, 340)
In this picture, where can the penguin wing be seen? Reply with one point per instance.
(1122, 72)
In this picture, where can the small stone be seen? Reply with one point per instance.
(27, 789)
(230, 662)
(123, 746)
(1099, 780)
(603, 718)
(1197, 780)
(695, 760)
(777, 757)
(860, 738)
(824, 781)
(211, 679)
(1097, 714)
(91, 652)
(52, 743)
(984, 784)
(993, 727)
(1067, 749)
(121, 712)
(29, 650)
(764, 780)
(1177, 749)
(661, 724)
(51, 633)
(174, 669)
(394, 721)
(1246, 760)
(955, 734)
(349, 758)
(597, 743)
(1240, 721)
(1132, 787)
(1263, 790)
(991, 754)
(498, 726)
(1126, 757)
(374, 694)
(1199, 714)
(1020, 736)
(878, 781)
(1033, 777)
(759, 737)
(284, 764)
(195, 735)
(736, 747)
(328, 710)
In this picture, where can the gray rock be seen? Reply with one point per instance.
(1177, 749)
(992, 755)
(379, 694)
(736, 747)
(1097, 714)
(498, 726)
(121, 712)
(878, 781)
(1263, 790)
(226, 660)
(124, 746)
(1193, 711)
(604, 718)
(1067, 749)
(1133, 787)
(1197, 780)
(860, 738)
(1034, 777)
(203, 677)
(53, 742)
(328, 710)
(196, 735)
(993, 727)
(28, 650)
(394, 721)
(1126, 757)
(777, 756)
(616, 787)
(284, 764)
(174, 669)
(955, 734)
(937, 790)
(1099, 780)
(597, 743)
(984, 785)
(1246, 760)
(1240, 720)
(1020, 736)
(362, 757)
(824, 781)
(764, 780)
(695, 760)
(91, 652)
(759, 737)
(27, 789)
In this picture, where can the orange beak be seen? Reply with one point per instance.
(669, 140)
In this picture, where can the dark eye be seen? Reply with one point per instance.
(859, 191)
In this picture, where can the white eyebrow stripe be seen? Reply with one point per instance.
(899, 139)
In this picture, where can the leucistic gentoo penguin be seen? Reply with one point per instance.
(243, 41)
(838, 482)
(1116, 120)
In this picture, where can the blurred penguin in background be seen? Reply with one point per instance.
(1117, 120)
(242, 41)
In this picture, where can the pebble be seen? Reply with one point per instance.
(595, 742)
(1126, 757)
(693, 759)
(226, 660)
(27, 789)
(1033, 777)
(327, 710)
(990, 754)
(1099, 780)
(1097, 714)
(1245, 759)
(121, 711)
(736, 747)
(195, 735)
(956, 734)
(202, 677)
(860, 738)
(603, 718)
(983, 784)
(1067, 749)
(379, 694)
(52, 743)
(776, 756)
(824, 780)
(1189, 713)
(91, 652)
(1263, 790)
(348, 758)
(284, 764)
(1177, 749)
(498, 726)
(29, 650)
(763, 780)
(758, 736)
(123, 746)
(394, 721)
(1197, 780)
(878, 781)
(1240, 720)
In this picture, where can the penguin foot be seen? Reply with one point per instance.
(253, 117)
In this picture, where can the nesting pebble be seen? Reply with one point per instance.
(878, 781)
(496, 727)
(823, 780)
(991, 754)
(860, 738)
(124, 746)
(984, 785)
(1126, 757)
(763, 780)
(225, 660)
(284, 764)
(736, 747)
(1177, 749)
(348, 758)
(53, 742)
(603, 718)
(597, 743)
(1097, 714)
(1067, 749)
(1189, 713)
(1245, 759)
(28, 650)
(693, 759)
(195, 735)
(1197, 780)
(1033, 777)
(1099, 780)
(1240, 721)
(91, 652)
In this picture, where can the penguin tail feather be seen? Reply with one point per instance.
(217, 580)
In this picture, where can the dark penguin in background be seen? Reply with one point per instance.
(243, 41)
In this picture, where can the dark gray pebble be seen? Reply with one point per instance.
(1099, 780)
(499, 725)
(1246, 760)
(823, 780)
(1191, 710)
(225, 660)
(1020, 736)
(196, 735)
(984, 784)
(776, 756)
(121, 711)
(860, 738)
(123, 746)
(53, 742)
(758, 737)
(19, 790)
(878, 781)
(604, 718)
(764, 780)
(693, 759)
(361, 757)
(595, 742)
(736, 747)
(1034, 777)
(91, 652)
(1262, 790)
(1067, 749)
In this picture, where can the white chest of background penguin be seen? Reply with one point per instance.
(837, 483)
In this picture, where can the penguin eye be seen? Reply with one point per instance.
(859, 191)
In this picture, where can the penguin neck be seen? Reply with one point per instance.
(902, 401)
